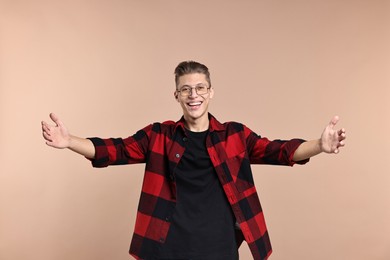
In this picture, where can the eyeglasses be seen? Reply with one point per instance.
(199, 89)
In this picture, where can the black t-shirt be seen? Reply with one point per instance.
(202, 226)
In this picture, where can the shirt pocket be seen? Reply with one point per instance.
(240, 171)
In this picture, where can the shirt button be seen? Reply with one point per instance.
(185, 139)
(161, 240)
(177, 155)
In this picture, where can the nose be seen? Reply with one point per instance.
(193, 93)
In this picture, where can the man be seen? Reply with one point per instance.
(198, 198)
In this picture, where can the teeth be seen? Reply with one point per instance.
(195, 104)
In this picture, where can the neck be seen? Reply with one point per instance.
(197, 124)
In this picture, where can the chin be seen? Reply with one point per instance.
(196, 115)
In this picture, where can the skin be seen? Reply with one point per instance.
(195, 111)
(330, 142)
(196, 116)
(58, 136)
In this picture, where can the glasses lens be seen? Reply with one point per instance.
(200, 90)
(186, 91)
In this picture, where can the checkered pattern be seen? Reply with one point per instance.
(232, 148)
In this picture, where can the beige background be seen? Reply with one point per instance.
(283, 68)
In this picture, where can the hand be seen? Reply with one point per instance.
(331, 139)
(56, 135)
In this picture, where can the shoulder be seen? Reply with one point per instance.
(164, 127)
(226, 126)
(233, 126)
(168, 123)
(230, 127)
(237, 128)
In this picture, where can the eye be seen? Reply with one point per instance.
(200, 88)
(185, 89)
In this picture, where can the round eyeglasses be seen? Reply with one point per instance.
(199, 89)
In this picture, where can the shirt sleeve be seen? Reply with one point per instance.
(276, 152)
(119, 151)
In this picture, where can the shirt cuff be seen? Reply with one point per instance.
(101, 153)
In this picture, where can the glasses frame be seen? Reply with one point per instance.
(192, 89)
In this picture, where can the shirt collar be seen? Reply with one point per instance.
(214, 124)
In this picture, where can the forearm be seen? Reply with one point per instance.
(307, 149)
(82, 146)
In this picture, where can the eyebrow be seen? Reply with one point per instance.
(197, 85)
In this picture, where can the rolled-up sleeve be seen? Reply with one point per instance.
(275, 152)
(119, 151)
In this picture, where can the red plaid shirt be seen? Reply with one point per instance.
(232, 148)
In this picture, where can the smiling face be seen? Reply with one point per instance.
(195, 106)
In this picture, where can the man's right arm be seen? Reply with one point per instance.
(57, 136)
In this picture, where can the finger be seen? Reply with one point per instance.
(342, 137)
(334, 121)
(44, 124)
(47, 137)
(49, 143)
(56, 119)
(45, 128)
(341, 131)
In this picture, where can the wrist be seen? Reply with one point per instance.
(72, 142)
(320, 146)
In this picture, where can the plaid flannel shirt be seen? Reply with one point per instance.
(232, 148)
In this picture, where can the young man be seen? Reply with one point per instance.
(198, 198)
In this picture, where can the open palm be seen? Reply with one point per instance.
(56, 135)
(332, 139)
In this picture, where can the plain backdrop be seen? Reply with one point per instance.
(283, 68)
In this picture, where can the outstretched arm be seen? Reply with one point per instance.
(330, 142)
(57, 136)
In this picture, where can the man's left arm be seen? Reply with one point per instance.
(330, 142)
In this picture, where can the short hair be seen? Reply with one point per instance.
(189, 67)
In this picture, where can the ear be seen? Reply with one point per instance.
(211, 93)
(176, 95)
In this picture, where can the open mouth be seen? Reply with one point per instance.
(194, 105)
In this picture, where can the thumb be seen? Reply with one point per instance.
(334, 121)
(56, 119)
